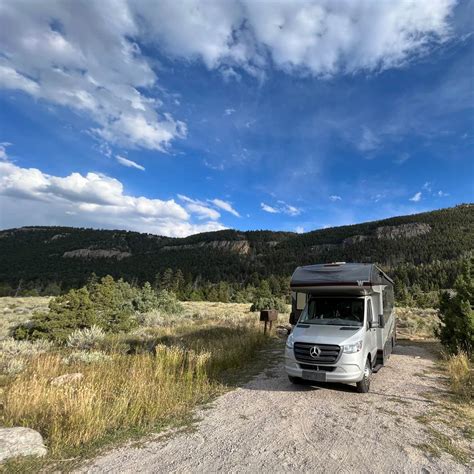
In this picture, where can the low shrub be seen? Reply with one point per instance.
(86, 357)
(152, 319)
(10, 347)
(86, 339)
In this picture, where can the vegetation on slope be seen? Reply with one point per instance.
(420, 251)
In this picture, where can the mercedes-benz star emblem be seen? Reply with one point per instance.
(315, 352)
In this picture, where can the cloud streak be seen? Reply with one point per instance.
(129, 163)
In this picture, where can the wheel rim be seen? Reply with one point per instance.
(367, 371)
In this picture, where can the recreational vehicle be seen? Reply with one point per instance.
(343, 323)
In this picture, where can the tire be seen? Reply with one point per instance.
(295, 380)
(364, 385)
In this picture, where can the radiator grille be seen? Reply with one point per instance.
(329, 353)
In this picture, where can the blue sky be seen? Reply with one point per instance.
(180, 117)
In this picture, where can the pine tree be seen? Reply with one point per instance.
(456, 330)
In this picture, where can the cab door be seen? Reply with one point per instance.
(372, 331)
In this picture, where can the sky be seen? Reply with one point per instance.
(178, 117)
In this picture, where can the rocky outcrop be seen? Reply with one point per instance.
(57, 236)
(323, 247)
(355, 239)
(97, 253)
(20, 442)
(241, 247)
(404, 230)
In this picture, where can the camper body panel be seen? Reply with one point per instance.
(348, 367)
(375, 337)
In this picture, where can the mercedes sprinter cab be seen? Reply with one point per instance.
(343, 323)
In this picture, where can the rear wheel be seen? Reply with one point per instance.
(364, 385)
(295, 380)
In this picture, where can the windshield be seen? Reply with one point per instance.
(334, 311)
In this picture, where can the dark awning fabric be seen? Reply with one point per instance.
(341, 274)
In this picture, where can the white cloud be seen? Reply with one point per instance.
(82, 55)
(229, 111)
(282, 208)
(442, 194)
(299, 229)
(225, 205)
(93, 200)
(270, 209)
(318, 37)
(87, 55)
(199, 208)
(428, 186)
(3, 151)
(335, 198)
(416, 197)
(368, 141)
(129, 163)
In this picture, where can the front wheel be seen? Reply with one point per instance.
(295, 380)
(364, 385)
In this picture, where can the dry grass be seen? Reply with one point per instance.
(128, 391)
(416, 323)
(461, 375)
(18, 310)
(139, 381)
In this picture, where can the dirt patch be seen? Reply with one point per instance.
(270, 425)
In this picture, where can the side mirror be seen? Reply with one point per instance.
(381, 321)
(293, 318)
(372, 325)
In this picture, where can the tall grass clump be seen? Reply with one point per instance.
(125, 392)
(461, 375)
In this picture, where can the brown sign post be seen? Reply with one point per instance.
(268, 316)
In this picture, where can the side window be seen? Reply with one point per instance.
(388, 301)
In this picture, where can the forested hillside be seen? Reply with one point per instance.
(421, 251)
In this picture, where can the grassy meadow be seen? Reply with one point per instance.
(133, 383)
(129, 383)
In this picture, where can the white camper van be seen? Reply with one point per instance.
(343, 323)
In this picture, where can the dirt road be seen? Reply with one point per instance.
(270, 425)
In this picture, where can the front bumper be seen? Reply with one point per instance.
(348, 368)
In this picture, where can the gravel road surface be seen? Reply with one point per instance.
(269, 425)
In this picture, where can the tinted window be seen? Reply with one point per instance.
(334, 311)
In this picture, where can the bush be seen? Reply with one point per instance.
(270, 302)
(146, 299)
(461, 378)
(168, 303)
(74, 310)
(86, 339)
(106, 304)
(456, 330)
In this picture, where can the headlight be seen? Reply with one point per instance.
(290, 342)
(352, 348)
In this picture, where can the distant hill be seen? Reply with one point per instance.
(421, 249)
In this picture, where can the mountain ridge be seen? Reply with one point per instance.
(68, 255)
